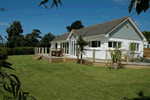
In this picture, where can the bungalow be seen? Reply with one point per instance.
(102, 37)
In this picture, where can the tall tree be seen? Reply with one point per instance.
(75, 25)
(15, 36)
(1, 39)
(140, 5)
(147, 35)
(31, 38)
(45, 41)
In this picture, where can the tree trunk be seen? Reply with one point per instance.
(81, 57)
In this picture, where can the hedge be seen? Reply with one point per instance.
(3, 54)
(19, 50)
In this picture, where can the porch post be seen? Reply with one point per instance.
(50, 53)
(106, 56)
(46, 50)
(127, 56)
(77, 53)
(64, 56)
(34, 50)
(93, 60)
(39, 50)
(42, 50)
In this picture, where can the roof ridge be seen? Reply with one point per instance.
(102, 23)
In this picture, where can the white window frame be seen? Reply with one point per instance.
(64, 45)
(136, 44)
(90, 44)
(113, 42)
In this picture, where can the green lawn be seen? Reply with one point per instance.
(71, 81)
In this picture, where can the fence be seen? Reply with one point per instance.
(146, 52)
(91, 55)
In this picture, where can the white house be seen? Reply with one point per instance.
(104, 36)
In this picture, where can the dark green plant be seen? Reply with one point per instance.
(11, 84)
(140, 5)
(116, 56)
(75, 25)
(45, 41)
(3, 54)
(81, 43)
(55, 2)
(15, 37)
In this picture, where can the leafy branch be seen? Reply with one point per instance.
(11, 84)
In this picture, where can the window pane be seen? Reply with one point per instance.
(114, 44)
(137, 47)
(132, 46)
(99, 43)
(94, 43)
(63, 45)
(89, 44)
(109, 44)
(119, 44)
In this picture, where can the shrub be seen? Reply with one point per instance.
(3, 54)
(23, 50)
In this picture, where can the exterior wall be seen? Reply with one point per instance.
(125, 32)
(101, 51)
(52, 45)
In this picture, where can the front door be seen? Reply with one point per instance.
(73, 47)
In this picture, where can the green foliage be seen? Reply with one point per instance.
(55, 2)
(18, 50)
(52, 81)
(31, 40)
(23, 50)
(3, 54)
(81, 43)
(75, 25)
(45, 41)
(116, 54)
(140, 5)
(147, 35)
(11, 84)
(15, 36)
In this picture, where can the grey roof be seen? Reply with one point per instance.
(99, 29)
(62, 37)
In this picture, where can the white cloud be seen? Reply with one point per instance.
(137, 23)
(121, 2)
(3, 24)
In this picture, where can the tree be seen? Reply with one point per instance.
(75, 25)
(31, 38)
(1, 39)
(45, 41)
(140, 5)
(81, 43)
(15, 36)
(147, 35)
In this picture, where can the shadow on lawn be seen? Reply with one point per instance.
(5, 64)
(141, 97)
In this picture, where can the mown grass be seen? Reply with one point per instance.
(71, 81)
